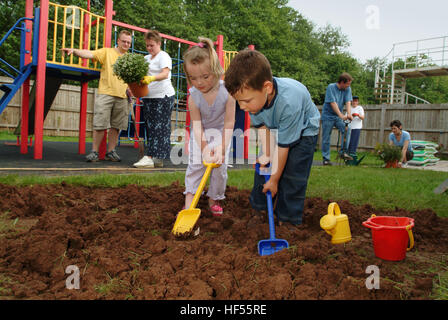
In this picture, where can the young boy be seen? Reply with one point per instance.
(284, 105)
(355, 126)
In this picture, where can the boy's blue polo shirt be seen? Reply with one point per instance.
(292, 112)
(334, 94)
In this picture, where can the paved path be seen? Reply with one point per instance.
(441, 165)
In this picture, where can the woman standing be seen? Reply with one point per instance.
(402, 139)
(158, 104)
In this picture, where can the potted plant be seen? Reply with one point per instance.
(390, 154)
(132, 68)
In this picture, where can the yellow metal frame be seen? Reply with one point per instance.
(228, 56)
(75, 35)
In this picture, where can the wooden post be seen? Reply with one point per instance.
(382, 124)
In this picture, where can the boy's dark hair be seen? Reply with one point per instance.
(395, 123)
(249, 68)
(345, 77)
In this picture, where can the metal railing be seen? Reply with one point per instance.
(228, 56)
(74, 27)
(421, 53)
(430, 52)
(417, 100)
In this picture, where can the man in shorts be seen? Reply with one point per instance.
(111, 110)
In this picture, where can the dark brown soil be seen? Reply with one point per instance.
(121, 241)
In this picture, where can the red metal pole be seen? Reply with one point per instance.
(247, 124)
(137, 120)
(143, 30)
(26, 84)
(40, 80)
(108, 14)
(220, 49)
(84, 91)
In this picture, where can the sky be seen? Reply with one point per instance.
(374, 26)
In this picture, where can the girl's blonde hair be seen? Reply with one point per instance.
(199, 53)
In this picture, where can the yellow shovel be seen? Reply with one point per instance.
(187, 218)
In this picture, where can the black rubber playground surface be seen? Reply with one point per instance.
(62, 158)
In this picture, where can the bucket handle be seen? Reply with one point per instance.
(411, 237)
(374, 226)
(371, 225)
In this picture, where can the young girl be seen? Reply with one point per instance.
(212, 114)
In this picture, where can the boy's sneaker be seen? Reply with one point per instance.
(158, 163)
(112, 156)
(327, 163)
(93, 157)
(145, 162)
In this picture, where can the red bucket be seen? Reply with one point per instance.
(391, 236)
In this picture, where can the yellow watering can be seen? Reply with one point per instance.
(336, 224)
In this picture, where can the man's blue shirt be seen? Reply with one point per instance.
(334, 94)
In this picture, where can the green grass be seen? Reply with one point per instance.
(382, 188)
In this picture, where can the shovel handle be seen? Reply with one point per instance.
(197, 195)
(267, 176)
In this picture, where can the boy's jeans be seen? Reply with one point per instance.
(327, 126)
(354, 140)
(292, 184)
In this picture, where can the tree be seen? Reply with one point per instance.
(293, 44)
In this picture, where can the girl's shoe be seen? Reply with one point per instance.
(216, 210)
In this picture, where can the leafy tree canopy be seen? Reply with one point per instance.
(293, 44)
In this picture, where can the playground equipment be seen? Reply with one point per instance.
(410, 59)
(49, 27)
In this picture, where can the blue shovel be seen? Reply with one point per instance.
(271, 245)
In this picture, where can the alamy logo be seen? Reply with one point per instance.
(373, 17)
(373, 281)
(72, 281)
